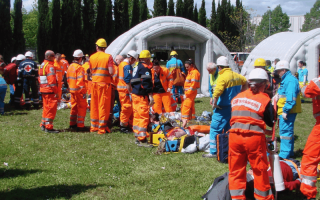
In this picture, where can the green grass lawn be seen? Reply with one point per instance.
(72, 165)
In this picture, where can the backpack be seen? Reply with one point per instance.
(178, 78)
(10, 73)
(222, 147)
(219, 190)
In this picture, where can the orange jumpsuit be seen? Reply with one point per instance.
(311, 152)
(124, 96)
(100, 91)
(163, 98)
(48, 90)
(65, 65)
(88, 82)
(191, 85)
(247, 142)
(59, 73)
(77, 87)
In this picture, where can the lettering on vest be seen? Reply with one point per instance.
(249, 103)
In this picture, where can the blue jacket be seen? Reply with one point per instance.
(141, 81)
(127, 73)
(303, 72)
(173, 62)
(3, 83)
(27, 68)
(289, 98)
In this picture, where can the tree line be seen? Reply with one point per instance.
(66, 25)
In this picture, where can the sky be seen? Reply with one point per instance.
(258, 7)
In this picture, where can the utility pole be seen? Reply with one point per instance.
(269, 20)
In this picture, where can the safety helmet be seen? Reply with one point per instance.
(173, 53)
(28, 54)
(258, 74)
(63, 56)
(21, 57)
(87, 55)
(260, 62)
(145, 54)
(223, 61)
(133, 54)
(13, 59)
(282, 64)
(78, 53)
(101, 43)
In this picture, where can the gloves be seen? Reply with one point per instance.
(275, 99)
(284, 116)
(169, 90)
(215, 106)
(184, 97)
(151, 100)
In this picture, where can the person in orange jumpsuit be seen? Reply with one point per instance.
(141, 83)
(251, 111)
(311, 152)
(77, 87)
(191, 86)
(124, 89)
(59, 72)
(65, 63)
(88, 82)
(101, 65)
(48, 90)
(114, 93)
(162, 81)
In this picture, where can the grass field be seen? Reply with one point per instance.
(72, 165)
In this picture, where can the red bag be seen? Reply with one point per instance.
(10, 73)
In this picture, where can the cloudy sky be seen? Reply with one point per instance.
(291, 7)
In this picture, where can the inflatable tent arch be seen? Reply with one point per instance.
(291, 47)
(183, 35)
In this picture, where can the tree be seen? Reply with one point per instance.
(312, 19)
(30, 26)
(203, 14)
(135, 13)
(279, 23)
(179, 9)
(102, 26)
(213, 19)
(44, 28)
(67, 28)
(121, 17)
(195, 14)
(76, 20)
(171, 8)
(143, 10)
(159, 8)
(88, 31)
(6, 34)
(56, 25)
(18, 36)
(188, 9)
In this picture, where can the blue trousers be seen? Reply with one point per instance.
(220, 123)
(286, 135)
(3, 91)
(179, 92)
(11, 94)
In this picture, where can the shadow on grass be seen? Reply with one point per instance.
(86, 129)
(47, 192)
(197, 101)
(12, 173)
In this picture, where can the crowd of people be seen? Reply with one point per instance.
(242, 105)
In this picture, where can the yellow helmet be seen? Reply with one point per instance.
(145, 54)
(63, 56)
(101, 43)
(260, 62)
(173, 53)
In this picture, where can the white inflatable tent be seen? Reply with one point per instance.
(167, 33)
(291, 47)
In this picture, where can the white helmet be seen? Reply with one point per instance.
(258, 74)
(28, 54)
(78, 53)
(282, 64)
(13, 59)
(223, 61)
(133, 54)
(21, 57)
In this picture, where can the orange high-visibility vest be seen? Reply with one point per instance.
(165, 78)
(192, 82)
(247, 112)
(122, 86)
(47, 78)
(115, 75)
(313, 91)
(76, 79)
(59, 70)
(99, 63)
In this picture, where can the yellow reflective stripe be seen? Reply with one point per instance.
(43, 70)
